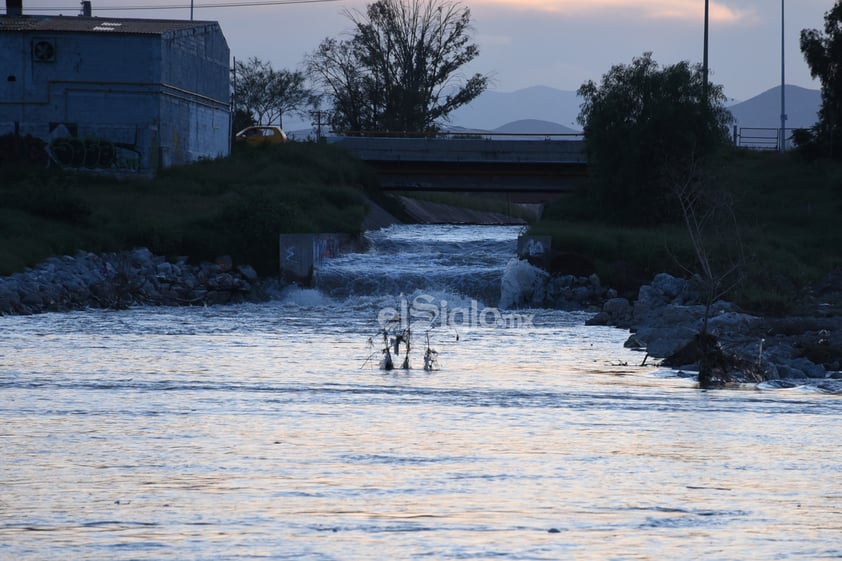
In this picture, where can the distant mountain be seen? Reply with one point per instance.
(495, 109)
(536, 108)
(764, 110)
(534, 126)
(541, 103)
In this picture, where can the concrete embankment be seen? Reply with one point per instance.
(428, 212)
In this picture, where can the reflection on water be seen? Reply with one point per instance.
(255, 432)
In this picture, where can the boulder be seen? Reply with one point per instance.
(615, 311)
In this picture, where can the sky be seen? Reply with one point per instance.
(523, 43)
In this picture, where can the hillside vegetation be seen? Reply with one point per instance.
(787, 214)
(232, 206)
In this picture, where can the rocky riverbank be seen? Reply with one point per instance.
(665, 319)
(123, 279)
(667, 316)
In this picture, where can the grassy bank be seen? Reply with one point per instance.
(235, 206)
(787, 210)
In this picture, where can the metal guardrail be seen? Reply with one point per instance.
(762, 138)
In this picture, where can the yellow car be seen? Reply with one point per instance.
(261, 134)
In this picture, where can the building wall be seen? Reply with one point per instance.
(157, 97)
(15, 75)
(195, 114)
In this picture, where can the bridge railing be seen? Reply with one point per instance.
(488, 135)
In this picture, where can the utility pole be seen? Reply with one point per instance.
(783, 83)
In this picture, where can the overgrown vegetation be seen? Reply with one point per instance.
(233, 206)
(787, 208)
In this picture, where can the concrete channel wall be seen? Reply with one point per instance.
(302, 254)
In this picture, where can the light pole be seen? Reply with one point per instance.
(783, 83)
(191, 10)
(705, 55)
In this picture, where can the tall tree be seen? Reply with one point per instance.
(641, 124)
(398, 70)
(355, 105)
(267, 94)
(823, 53)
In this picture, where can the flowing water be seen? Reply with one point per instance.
(265, 431)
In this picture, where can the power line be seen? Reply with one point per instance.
(182, 6)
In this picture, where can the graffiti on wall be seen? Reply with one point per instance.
(87, 152)
(93, 152)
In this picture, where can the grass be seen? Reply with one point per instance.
(236, 205)
(788, 214)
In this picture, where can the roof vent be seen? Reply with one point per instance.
(43, 51)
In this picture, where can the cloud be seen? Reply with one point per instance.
(645, 9)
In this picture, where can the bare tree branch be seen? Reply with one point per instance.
(268, 94)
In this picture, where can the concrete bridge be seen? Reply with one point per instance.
(515, 164)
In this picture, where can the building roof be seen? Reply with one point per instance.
(79, 24)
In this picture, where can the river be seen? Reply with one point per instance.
(266, 431)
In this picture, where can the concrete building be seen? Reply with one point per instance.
(155, 92)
